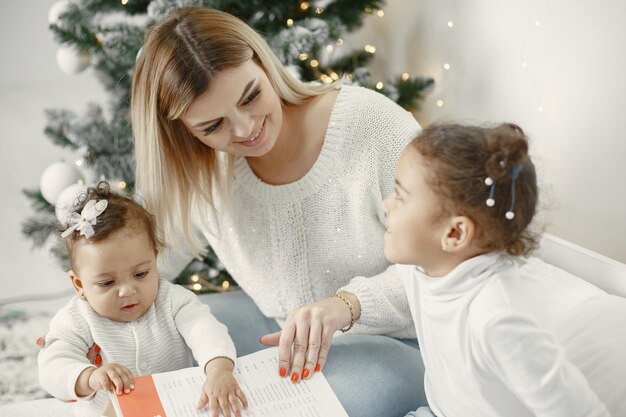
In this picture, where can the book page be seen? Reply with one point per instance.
(268, 394)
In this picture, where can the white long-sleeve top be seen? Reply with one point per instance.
(289, 245)
(176, 327)
(515, 337)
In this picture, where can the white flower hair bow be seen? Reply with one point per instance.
(87, 219)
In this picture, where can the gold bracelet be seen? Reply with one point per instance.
(349, 304)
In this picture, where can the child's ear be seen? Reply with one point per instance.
(459, 234)
(77, 283)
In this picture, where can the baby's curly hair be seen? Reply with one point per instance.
(460, 158)
(121, 212)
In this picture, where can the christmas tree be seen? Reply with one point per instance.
(107, 35)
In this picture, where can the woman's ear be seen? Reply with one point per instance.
(77, 283)
(458, 235)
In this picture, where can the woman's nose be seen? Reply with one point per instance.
(243, 126)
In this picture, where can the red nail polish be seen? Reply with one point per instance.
(282, 372)
(295, 377)
(98, 360)
(305, 373)
(97, 348)
(317, 367)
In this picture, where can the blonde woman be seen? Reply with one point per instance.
(285, 181)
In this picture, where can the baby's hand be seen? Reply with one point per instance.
(221, 390)
(112, 375)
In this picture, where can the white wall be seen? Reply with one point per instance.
(30, 82)
(508, 59)
(575, 58)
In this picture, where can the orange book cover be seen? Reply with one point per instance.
(143, 401)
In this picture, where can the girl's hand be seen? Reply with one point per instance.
(221, 390)
(305, 339)
(111, 376)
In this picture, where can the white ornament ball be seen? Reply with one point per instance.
(67, 199)
(57, 10)
(72, 61)
(56, 178)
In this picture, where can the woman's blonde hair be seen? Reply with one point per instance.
(180, 57)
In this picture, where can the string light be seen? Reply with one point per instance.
(368, 10)
(124, 2)
(450, 23)
(319, 10)
(334, 76)
(446, 66)
(314, 63)
(225, 285)
(370, 48)
(439, 103)
(79, 163)
(304, 5)
(379, 85)
(196, 287)
(380, 13)
(289, 23)
(195, 278)
(339, 42)
(121, 185)
(405, 76)
(303, 56)
(329, 49)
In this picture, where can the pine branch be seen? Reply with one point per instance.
(39, 228)
(59, 126)
(37, 201)
(412, 91)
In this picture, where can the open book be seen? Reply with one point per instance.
(176, 393)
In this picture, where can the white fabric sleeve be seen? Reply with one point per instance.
(533, 365)
(64, 356)
(384, 304)
(204, 334)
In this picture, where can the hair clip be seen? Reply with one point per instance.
(515, 170)
(85, 221)
(490, 183)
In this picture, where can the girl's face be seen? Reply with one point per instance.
(415, 225)
(118, 275)
(240, 114)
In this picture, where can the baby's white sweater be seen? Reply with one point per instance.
(158, 341)
(293, 244)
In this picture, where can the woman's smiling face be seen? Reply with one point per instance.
(240, 114)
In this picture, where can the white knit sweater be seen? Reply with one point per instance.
(157, 342)
(293, 244)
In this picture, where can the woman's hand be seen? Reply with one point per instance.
(305, 340)
(221, 390)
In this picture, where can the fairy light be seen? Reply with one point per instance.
(314, 63)
(289, 23)
(195, 278)
(380, 13)
(370, 48)
(368, 10)
(540, 109)
(439, 103)
(405, 76)
(124, 2)
(334, 76)
(379, 85)
(304, 5)
(197, 287)
(446, 66)
(329, 49)
(121, 185)
(303, 56)
(225, 285)
(339, 42)
(450, 23)
(79, 163)
(319, 10)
